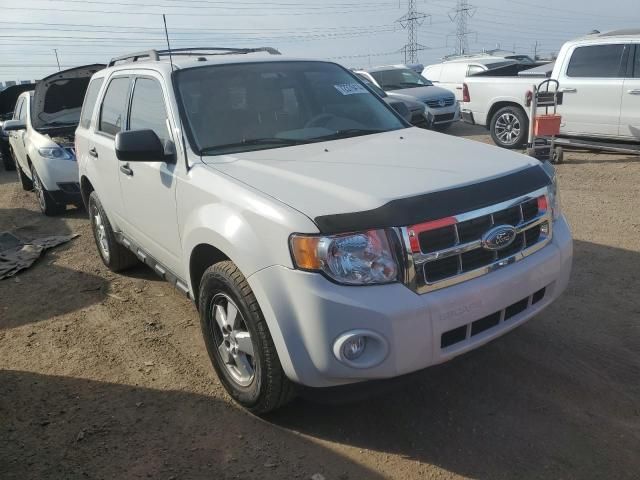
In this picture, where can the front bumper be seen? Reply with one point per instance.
(306, 313)
(441, 116)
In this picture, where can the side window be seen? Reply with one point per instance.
(114, 106)
(596, 61)
(148, 111)
(636, 66)
(17, 109)
(90, 102)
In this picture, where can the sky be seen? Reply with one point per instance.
(356, 33)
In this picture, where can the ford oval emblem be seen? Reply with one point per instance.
(499, 237)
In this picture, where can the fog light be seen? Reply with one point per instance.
(354, 347)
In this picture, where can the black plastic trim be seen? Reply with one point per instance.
(436, 205)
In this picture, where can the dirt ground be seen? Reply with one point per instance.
(106, 376)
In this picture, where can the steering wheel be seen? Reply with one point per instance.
(319, 120)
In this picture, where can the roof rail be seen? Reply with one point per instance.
(154, 55)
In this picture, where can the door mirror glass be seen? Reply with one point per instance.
(13, 125)
(140, 146)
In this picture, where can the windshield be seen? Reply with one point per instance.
(254, 106)
(399, 78)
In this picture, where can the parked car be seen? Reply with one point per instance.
(42, 137)
(323, 240)
(412, 110)
(599, 76)
(451, 74)
(442, 108)
(8, 99)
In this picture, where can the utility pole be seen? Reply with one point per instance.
(57, 60)
(410, 22)
(461, 15)
(535, 51)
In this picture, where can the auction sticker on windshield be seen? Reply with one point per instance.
(350, 88)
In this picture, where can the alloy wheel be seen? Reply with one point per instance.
(101, 233)
(39, 189)
(233, 340)
(507, 128)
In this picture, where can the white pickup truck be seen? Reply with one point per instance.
(599, 76)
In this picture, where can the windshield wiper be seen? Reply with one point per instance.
(347, 133)
(254, 142)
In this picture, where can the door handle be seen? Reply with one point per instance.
(126, 169)
(93, 152)
(635, 91)
(569, 90)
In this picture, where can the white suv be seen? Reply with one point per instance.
(323, 239)
(41, 137)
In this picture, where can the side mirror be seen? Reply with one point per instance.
(140, 146)
(13, 125)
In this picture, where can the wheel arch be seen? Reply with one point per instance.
(501, 104)
(203, 255)
(86, 187)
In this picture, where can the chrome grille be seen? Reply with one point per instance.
(445, 252)
(441, 102)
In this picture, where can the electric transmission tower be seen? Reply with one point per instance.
(461, 15)
(410, 22)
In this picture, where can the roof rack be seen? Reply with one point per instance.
(154, 55)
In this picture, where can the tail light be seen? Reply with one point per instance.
(465, 93)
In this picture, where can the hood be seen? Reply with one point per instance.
(58, 98)
(363, 173)
(424, 93)
(408, 100)
(9, 97)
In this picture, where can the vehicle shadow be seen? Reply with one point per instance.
(31, 296)
(107, 430)
(556, 398)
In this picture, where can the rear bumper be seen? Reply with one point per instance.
(307, 313)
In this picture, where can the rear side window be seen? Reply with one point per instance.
(90, 102)
(596, 61)
(18, 108)
(114, 106)
(148, 111)
(636, 67)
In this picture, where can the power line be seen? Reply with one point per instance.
(461, 15)
(411, 21)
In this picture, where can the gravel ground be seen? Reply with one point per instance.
(106, 376)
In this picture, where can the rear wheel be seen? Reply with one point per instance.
(47, 204)
(238, 341)
(509, 127)
(114, 255)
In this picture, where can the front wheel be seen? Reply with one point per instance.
(47, 204)
(509, 127)
(25, 182)
(238, 341)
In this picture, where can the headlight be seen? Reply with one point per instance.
(55, 153)
(553, 191)
(364, 258)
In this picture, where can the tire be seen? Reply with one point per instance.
(253, 375)
(510, 127)
(25, 181)
(558, 155)
(114, 255)
(47, 204)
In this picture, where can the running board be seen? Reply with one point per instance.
(162, 271)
